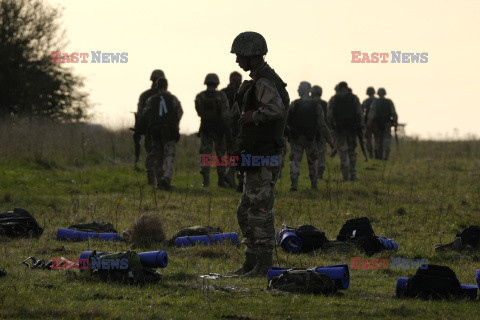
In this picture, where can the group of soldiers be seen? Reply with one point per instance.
(255, 118)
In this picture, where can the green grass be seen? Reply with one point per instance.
(73, 174)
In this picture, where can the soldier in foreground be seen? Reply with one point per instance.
(305, 120)
(320, 138)
(366, 104)
(263, 102)
(381, 118)
(141, 126)
(232, 128)
(163, 112)
(213, 109)
(345, 115)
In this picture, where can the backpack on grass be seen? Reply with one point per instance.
(19, 223)
(303, 281)
(433, 282)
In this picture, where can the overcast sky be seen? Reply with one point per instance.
(307, 40)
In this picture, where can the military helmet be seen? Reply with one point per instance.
(370, 91)
(249, 44)
(381, 92)
(305, 86)
(212, 78)
(317, 90)
(157, 73)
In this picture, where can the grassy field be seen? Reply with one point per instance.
(69, 174)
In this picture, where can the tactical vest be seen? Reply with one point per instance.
(210, 106)
(266, 138)
(344, 112)
(383, 112)
(304, 118)
(162, 121)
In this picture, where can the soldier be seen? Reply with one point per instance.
(321, 141)
(381, 118)
(305, 119)
(141, 124)
(213, 109)
(163, 112)
(263, 102)
(366, 104)
(345, 114)
(231, 134)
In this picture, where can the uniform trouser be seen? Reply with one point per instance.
(383, 139)
(163, 156)
(255, 213)
(296, 155)
(208, 141)
(148, 159)
(322, 156)
(346, 144)
(368, 141)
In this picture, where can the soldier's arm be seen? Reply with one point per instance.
(178, 108)
(197, 103)
(146, 107)
(394, 113)
(141, 103)
(322, 125)
(271, 105)
(359, 112)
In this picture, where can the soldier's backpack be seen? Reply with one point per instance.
(433, 282)
(383, 112)
(312, 238)
(303, 120)
(361, 231)
(122, 267)
(194, 231)
(303, 281)
(344, 113)
(19, 223)
(95, 226)
(470, 236)
(210, 106)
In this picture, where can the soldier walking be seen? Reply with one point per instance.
(366, 104)
(320, 138)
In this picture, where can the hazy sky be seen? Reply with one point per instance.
(307, 40)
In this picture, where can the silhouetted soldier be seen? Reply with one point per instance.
(163, 112)
(232, 128)
(213, 109)
(321, 140)
(366, 104)
(381, 118)
(346, 116)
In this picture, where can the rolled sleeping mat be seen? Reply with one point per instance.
(289, 241)
(69, 234)
(339, 273)
(388, 244)
(151, 259)
(206, 240)
(469, 291)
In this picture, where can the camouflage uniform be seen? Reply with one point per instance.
(163, 112)
(212, 130)
(366, 105)
(346, 116)
(381, 117)
(322, 143)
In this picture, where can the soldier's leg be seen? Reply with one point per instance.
(149, 161)
(377, 134)
(311, 152)
(206, 147)
(387, 141)
(167, 164)
(220, 150)
(368, 142)
(260, 188)
(352, 155)
(155, 156)
(342, 147)
(322, 157)
(296, 155)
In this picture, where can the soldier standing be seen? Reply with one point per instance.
(345, 114)
(366, 104)
(213, 109)
(141, 125)
(305, 119)
(263, 102)
(163, 112)
(320, 138)
(232, 128)
(381, 118)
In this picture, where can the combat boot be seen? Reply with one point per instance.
(222, 183)
(313, 184)
(206, 179)
(294, 186)
(150, 178)
(165, 182)
(264, 262)
(247, 266)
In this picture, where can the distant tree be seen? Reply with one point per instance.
(30, 84)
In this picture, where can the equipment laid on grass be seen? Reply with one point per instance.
(303, 281)
(68, 234)
(339, 273)
(194, 231)
(305, 238)
(434, 282)
(151, 259)
(206, 240)
(19, 223)
(468, 239)
(95, 226)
